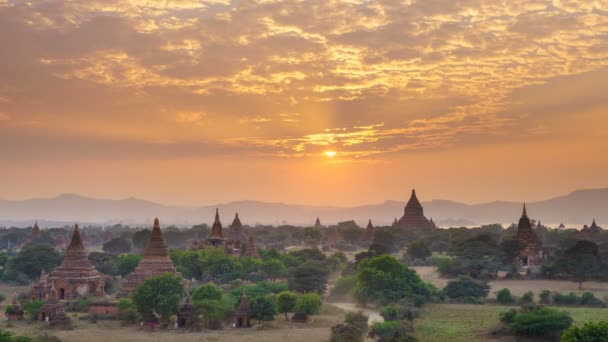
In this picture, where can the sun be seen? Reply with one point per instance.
(330, 154)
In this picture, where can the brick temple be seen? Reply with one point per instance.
(368, 234)
(413, 216)
(533, 253)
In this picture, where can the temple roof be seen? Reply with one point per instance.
(370, 226)
(36, 229)
(243, 304)
(525, 233)
(317, 223)
(235, 233)
(76, 254)
(252, 250)
(236, 222)
(216, 230)
(413, 202)
(156, 245)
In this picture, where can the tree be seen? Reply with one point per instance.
(504, 297)
(590, 331)
(465, 287)
(207, 291)
(274, 268)
(140, 238)
(345, 332)
(310, 276)
(537, 321)
(117, 246)
(393, 331)
(581, 261)
(262, 309)
(160, 294)
(418, 250)
(511, 249)
(32, 307)
(308, 304)
(383, 279)
(31, 260)
(286, 302)
(127, 263)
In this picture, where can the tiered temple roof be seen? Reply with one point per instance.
(34, 235)
(368, 235)
(156, 261)
(591, 233)
(241, 320)
(252, 250)
(41, 288)
(76, 277)
(236, 231)
(413, 217)
(532, 253)
(318, 223)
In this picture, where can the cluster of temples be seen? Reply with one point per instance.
(233, 243)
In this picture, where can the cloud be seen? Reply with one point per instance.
(189, 117)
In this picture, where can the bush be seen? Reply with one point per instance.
(504, 297)
(346, 333)
(545, 297)
(589, 299)
(399, 313)
(358, 319)
(32, 307)
(536, 321)
(567, 299)
(590, 331)
(466, 287)
(527, 298)
(398, 331)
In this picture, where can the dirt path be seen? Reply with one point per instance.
(374, 316)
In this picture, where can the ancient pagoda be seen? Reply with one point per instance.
(318, 223)
(368, 235)
(156, 262)
(236, 231)
(590, 233)
(241, 320)
(33, 236)
(252, 250)
(41, 288)
(532, 253)
(76, 277)
(186, 314)
(51, 307)
(413, 217)
(334, 238)
(216, 238)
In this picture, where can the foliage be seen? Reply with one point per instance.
(418, 250)
(393, 331)
(207, 291)
(383, 279)
(545, 297)
(31, 260)
(311, 276)
(536, 321)
(262, 308)
(260, 289)
(589, 299)
(7, 336)
(511, 249)
(590, 331)
(2, 297)
(357, 319)
(399, 312)
(527, 298)
(286, 302)
(345, 332)
(344, 286)
(127, 263)
(117, 246)
(124, 304)
(579, 262)
(160, 294)
(274, 268)
(504, 297)
(308, 304)
(32, 307)
(566, 299)
(466, 287)
(213, 311)
(211, 264)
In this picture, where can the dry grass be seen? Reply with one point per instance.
(519, 287)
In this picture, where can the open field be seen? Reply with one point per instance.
(519, 287)
(463, 322)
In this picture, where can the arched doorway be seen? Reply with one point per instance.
(62, 293)
(43, 316)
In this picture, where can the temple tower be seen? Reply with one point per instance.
(413, 215)
(368, 235)
(156, 262)
(241, 320)
(533, 253)
(76, 277)
(318, 223)
(236, 231)
(252, 250)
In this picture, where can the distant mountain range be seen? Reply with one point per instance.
(576, 208)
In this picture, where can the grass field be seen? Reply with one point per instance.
(462, 322)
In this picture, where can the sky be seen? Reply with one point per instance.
(311, 102)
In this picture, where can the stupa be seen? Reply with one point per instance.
(590, 233)
(76, 277)
(14, 312)
(156, 262)
(41, 288)
(236, 231)
(33, 236)
(216, 238)
(185, 314)
(241, 320)
(252, 250)
(413, 217)
(318, 223)
(52, 305)
(368, 235)
(533, 252)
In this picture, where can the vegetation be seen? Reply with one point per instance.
(7, 336)
(310, 276)
(504, 297)
(27, 265)
(262, 308)
(466, 287)
(393, 331)
(418, 250)
(286, 302)
(161, 295)
(353, 329)
(536, 321)
(590, 331)
(308, 304)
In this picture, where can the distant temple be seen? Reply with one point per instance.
(533, 253)
(156, 262)
(41, 288)
(216, 239)
(186, 314)
(334, 238)
(252, 250)
(318, 223)
(53, 311)
(241, 320)
(591, 233)
(76, 277)
(368, 234)
(33, 236)
(413, 217)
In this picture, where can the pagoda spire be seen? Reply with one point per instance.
(216, 229)
(524, 213)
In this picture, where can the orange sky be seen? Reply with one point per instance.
(199, 102)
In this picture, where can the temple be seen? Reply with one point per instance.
(252, 250)
(14, 312)
(156, 262)
(41, 288)
(241, 320)
(533, 253)
(33, 236)
(216, 239)
(368, 234)
(334, 238)
(236, 231)
(186, 314)
(53, 311)
(413, 217)
(76, 277)
(590, 233)
(318, 223)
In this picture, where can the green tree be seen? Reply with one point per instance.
(418, 250)
(207, 291)
(537, 321)
(274, 268)
(308, 304)
(140, 238)
(262, 309)
(383, 279)
(588, 332)
(511, 249)
(581, 261)
(31, 260)
(31, 308)
(310, 276)
(127, 263)
(286, 302)
(160, 294)
(466, 287)
(393, 331)
(504, 297)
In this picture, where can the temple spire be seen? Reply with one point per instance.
(524, 214)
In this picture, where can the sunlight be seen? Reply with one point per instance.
(330, 154)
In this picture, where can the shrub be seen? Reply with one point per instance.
(504, 297)
(527, 298)
(399, 312)
(466, 287)
(545, 297)
(358, 319)
(590, 331)
(565, 299)
(589, 299)
(536, 321)
(346, 333)
(401, 331)
(32, 307)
